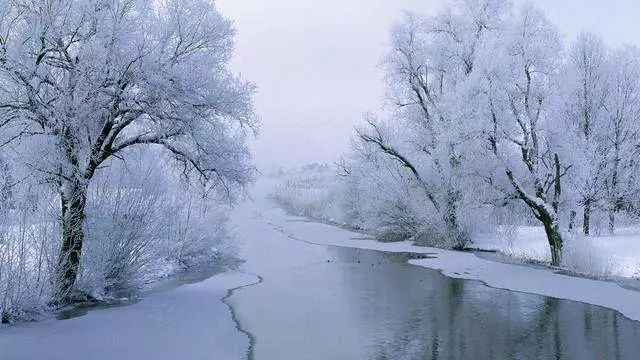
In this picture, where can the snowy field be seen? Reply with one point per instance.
(190, 322)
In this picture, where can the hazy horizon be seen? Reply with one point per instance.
(316, 63)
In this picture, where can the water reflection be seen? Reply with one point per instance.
(408, 312)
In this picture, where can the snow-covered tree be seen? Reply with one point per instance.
(584, 85)
(521, 67)
(475, 91)
(622, 136)
(86, 81)
(490, 113)
(431, 65)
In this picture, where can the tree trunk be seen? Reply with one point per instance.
(546, 216)
(554, 237)
(572, 220)
(586, 218)
(615, 184)
(612, 221)
(458, 237)
(73, 215)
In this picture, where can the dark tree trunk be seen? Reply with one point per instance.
(612, 221)
(572, 220)
(547, 216)
(72, 220)
(586, 218)
(552, 230)
(458, 237)
(551, 224)
(615, 184)
(554, 237)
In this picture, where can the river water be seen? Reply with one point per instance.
(324, 302)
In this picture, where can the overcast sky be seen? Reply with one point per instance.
(316, 63)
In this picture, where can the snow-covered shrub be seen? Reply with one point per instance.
(27, 260)
(141, 225)
(387, 205)
(312, 193)
(145, 225)
(124, 222)
(195, 231)
(27, 245)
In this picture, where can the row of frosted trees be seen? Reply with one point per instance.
(87, 89)
(490, 112)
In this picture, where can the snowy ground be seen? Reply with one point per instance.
(189, 322)
(615, 256)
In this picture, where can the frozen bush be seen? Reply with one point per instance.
(26, 263)
(146, 225)
(581, 254)
(314, 195)
(140, 226)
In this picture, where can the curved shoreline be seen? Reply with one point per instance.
(469, 266)
(188, 321)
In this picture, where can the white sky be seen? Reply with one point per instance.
(315, 63)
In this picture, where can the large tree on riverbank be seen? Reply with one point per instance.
(479, 117)
(519, 72)
(430, 64)
(488, 112)
(84, 81)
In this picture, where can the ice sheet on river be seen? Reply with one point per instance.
(189, 322)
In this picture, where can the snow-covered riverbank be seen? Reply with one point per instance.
(206, 320)
(317, 193)
(468, 266)
(189, 322)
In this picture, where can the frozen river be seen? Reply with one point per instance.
(326, 302)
